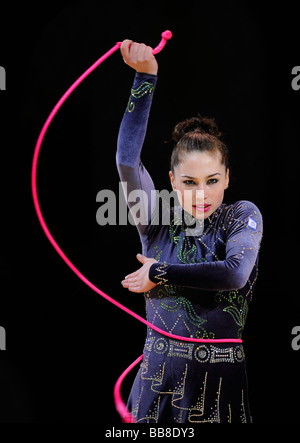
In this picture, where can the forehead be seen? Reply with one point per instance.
(197, 164)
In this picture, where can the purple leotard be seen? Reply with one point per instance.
(204, 288)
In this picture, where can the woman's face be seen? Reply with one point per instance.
(200, 180)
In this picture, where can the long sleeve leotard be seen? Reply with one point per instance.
(204, 287)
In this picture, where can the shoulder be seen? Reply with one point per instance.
(242, 208)
(244, 213)
(245, 207)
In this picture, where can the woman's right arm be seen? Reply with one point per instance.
(132, 132)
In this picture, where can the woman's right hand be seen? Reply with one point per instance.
(139, 57)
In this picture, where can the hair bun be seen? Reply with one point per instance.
(202, 124)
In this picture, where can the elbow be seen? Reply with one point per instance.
(237, 280)
(124, 169)
(125, 163)
(120, 161)
(236, 275)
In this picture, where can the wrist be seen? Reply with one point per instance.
(142, 75)
(152, 71)
(158, 273)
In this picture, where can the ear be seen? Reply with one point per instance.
(227, 179)
(172, 179)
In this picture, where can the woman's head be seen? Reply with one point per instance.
(199, 166)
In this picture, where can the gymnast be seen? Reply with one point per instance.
(197, 286)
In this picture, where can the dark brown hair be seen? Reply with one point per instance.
(197, 134)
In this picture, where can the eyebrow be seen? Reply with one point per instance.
(211, 175)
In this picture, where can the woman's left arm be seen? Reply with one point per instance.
(244, 234)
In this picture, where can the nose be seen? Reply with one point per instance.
(200, 196)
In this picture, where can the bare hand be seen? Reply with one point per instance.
(139, 281)
(139, 57)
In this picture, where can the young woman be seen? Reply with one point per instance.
(197, 286)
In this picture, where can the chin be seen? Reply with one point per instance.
(203, 215)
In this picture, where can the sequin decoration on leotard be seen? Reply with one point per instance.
(137, 93)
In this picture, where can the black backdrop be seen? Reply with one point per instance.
(232, 60)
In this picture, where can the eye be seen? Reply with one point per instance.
(212, 181)
(189, 182)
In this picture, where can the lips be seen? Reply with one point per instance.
(202, 208)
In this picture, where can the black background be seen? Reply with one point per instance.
(66, 346)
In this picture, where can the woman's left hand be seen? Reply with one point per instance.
(139, 281)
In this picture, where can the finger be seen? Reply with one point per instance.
(130, 282)
(141, 258)
(141, 52)
(134, 50)
(137, 51)
(134, 285)
(134, 288)
(131, 286)
(145, 53)
(125, 283)
(125, 48)
(132, 275)
(148, 52)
